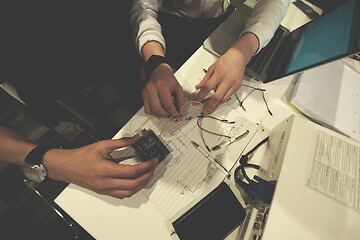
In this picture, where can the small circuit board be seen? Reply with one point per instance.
(149, 146)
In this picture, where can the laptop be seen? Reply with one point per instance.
(332, 36)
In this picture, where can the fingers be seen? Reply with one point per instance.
(122, 188)
(226, 86)
(167, 102)
(179, 98)
(209, 85)
(128, 171)
(107, 146)
(220, 96)
(146, 101)
(88, 167)
(160, 92)
(206, 85)
(207, 76)
(153, 104)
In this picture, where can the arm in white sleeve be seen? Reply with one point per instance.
(265, 19)
(143, 19)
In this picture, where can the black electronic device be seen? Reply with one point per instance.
(213, 217)
(149, 146)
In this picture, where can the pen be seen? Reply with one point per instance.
(211, 158)
(230, 141)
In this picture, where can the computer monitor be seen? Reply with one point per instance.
(334, 35)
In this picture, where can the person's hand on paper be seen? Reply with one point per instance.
(88, 167)
(227, 73)
(162, 94)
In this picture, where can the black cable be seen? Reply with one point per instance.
(241, 102)
(217, 134)
(267, 106)
(257, 146)
(244, 163)
(256, 188)
(242, 168)
(255, 88)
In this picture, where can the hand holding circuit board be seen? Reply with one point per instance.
(149, 146)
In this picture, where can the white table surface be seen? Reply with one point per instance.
(105, 217)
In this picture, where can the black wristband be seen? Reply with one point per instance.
(152, 63)
(36, 155)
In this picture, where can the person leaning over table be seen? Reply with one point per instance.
(162, 94)
(59, 46)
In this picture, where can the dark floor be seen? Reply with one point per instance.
(23, 213)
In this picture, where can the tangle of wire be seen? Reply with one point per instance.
(181, 114)
(199, 123)
(241, 102)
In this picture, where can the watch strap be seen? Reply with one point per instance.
(36, 155)
(153, 62)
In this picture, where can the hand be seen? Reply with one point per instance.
(227, 73)
(88, 167)
(159, 92)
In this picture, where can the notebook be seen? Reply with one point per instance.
(334, 105)
(332, 36)
(316, 195)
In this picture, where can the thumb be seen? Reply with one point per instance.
(111, 145)
(207, 76)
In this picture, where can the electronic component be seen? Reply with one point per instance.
(255, 222)
(190, 109)
(149, 146)
(259, 222)
(257, 187)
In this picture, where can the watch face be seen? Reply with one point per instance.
(31, 172)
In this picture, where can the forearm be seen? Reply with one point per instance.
(86, 166)
(146, 28)
(247, 45)
(13, 146)
(265, 19)
(152, 48)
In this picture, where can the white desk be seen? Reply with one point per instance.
(135, 218)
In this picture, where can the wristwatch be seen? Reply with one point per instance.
(152, 63)
(33, 168)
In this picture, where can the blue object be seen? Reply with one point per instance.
(261, 189)
(109, 94)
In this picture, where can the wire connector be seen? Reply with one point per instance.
(261, 189)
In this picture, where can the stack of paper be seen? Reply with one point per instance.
(330, 95)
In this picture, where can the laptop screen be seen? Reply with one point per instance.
(334, 35)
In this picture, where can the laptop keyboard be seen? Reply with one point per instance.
(258, 62)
